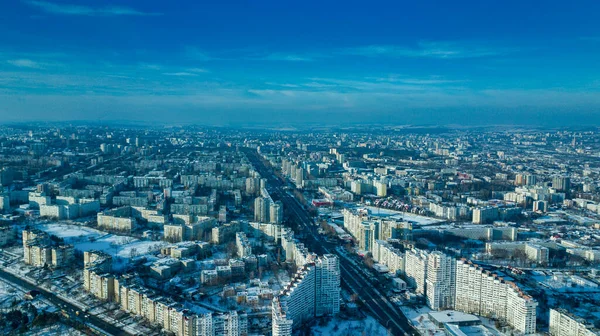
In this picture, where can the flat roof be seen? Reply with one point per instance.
(451, 316)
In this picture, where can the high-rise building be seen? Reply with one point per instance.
(563, 323)
(367, 234)
(415, 267)
(367, 229)
(4, 203)
(485, 215)
(327, 285)
(520, 179)
(561, 183)
(386, 254)
(276, 213)
(380, 188)
(313, 291)
(520, 310)
(222, 214)
(243, 245)
(261, 209)
(540, 206)
(39, 250)
(441, 281)
(252, 185)
(482, 292)
(530, 179)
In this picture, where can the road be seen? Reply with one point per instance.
(387, 313)
(70, 308)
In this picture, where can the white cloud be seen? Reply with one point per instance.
(432, 80)
(68, 9)
(428, 49)
(180, 74)
(287, 85)
(149, 66)
(283, 57)
(25, 63)
(196, 70)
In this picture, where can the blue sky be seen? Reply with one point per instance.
(289, 62)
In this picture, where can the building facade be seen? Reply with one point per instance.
(441, 281)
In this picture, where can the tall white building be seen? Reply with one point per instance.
(520, 310)
(244, 249)
(281, 325)
(562, 323)
(367, 234)
(485, 215)
(384, 253)
(327, 285)
(261, 209)
(485, 293)
(367, 229)
(276, 213)
(441, 281)
(380, 188)
(313, 291)
(415, 267)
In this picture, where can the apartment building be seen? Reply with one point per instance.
(66, 207)
(119, 219)
(441, 281)
(534, 252)
(313, 291)
(520, 310)
(276, 213)
(327, 285)
(244, 249)
(191, 229)
(367, 229)
(384, 253)
(261, 209)
(178, 320)
(7, 235)
(39, 250)
(415, 268)
(96, 277)
(485, 215)
(482, 292)
(563, 323)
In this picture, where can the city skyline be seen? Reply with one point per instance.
(271, 63)
(205, 231)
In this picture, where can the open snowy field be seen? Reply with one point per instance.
(405, 216)
(54, 329)
(87, 239)
(338, 327)
(8, 293)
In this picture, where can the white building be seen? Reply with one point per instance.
(441, 281)
(313, 291)
(415, 267)
(69, 208)
(533, 251)
(261, 209)
(384, 253)
(380, 188)
(276, 213)
(562, 323)
(243, 245)
(485, 215)
(482, 292)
